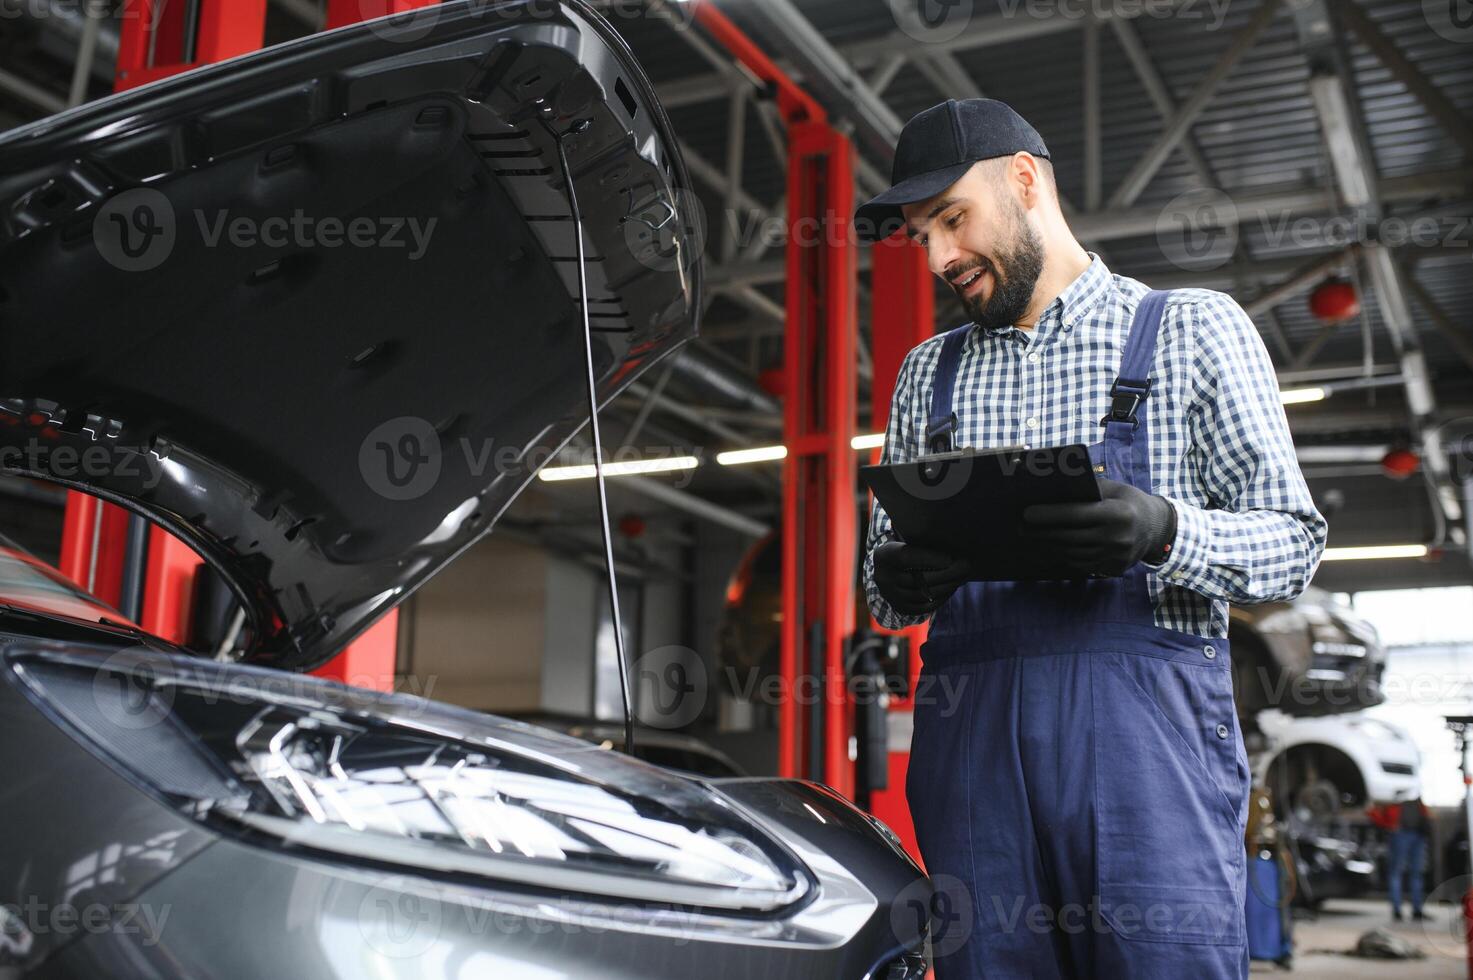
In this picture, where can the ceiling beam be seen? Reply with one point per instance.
(693, 505)
(736, 149)
(1456, 337)
(885, 72)
(1266, 208)
(1129, 40)
(827, 73)
(1321, 421)
(949, 77)
(982, 32)
(1186, 114)
(1342, 126)
(1270, 208)
(1094, 137)
(30, 93)
(1300, 281)
(1437, 104)
(86, 53)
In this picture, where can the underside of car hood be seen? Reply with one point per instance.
(316, 310)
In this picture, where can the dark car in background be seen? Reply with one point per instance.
(1309, 657)
(296, 415)
(1331, 867)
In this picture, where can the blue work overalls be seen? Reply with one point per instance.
(1077, 777)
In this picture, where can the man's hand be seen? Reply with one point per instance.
(1105, 537)
(916, 581)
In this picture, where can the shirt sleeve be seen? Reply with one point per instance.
(1261, 537)
(900, 446)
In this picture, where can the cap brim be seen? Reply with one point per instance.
(881, 217)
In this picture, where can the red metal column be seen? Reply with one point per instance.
(168, 586)
(368, 661)
(815, 718)
(340, 13)
(902, 315)
(91, 527)
(820, 513)
(152, 44)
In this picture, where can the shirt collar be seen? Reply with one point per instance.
(1074, 303)
(1083, 294)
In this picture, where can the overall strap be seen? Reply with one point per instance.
(941, 425)
(1133, 385)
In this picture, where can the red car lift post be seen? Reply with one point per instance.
(902, 315)
(815, 719)
(159, 39)
(820, 509)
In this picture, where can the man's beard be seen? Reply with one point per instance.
(1015, 273)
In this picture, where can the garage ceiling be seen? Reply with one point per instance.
(1258, 142)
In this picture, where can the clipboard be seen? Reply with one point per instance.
(969, 503)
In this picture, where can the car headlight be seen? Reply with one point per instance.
(1336, 648)
(391, 778)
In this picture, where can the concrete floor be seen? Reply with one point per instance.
(1320, 945)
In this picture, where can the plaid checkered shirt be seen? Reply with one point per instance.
(1247, 529)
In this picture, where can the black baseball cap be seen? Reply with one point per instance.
(936, 148)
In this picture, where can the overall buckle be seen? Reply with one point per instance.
(940, 434)
(1125, 399)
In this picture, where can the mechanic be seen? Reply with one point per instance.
(1408, 824)
(1081, 812)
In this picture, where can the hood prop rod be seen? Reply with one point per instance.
(598, 450)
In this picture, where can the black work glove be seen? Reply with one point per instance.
(1104, 537)
(915, 581)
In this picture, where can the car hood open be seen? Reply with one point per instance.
(315, 310)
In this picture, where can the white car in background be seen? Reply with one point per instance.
(1321, 767)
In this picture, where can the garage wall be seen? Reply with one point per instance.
(568, 632)
(579, 668)
(476, 629)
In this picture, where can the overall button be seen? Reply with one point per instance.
(1222, 731)
(1210, 652)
